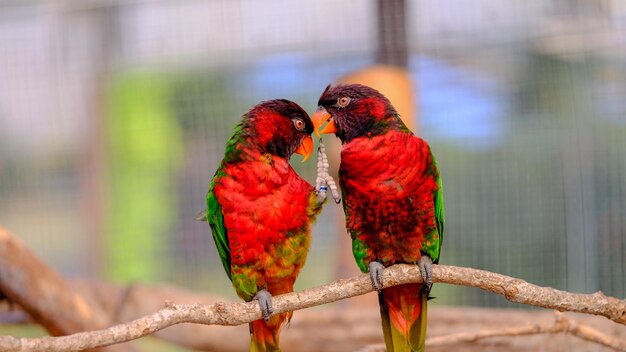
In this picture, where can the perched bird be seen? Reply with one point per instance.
(260, 210)
(393, 202)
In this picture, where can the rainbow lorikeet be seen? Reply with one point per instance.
(393, 202)
(260, 210)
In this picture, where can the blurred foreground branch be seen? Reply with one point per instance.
(562, 324)
(47, 297)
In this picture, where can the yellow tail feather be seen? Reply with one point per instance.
(403, 312)
(265, 337)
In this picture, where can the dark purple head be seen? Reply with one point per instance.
(352, 111)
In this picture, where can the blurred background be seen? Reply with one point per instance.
(114, 116)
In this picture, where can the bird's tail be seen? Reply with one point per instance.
(403, 313)
(264, 337)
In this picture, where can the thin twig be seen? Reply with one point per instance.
(513, 289)
(562, 324)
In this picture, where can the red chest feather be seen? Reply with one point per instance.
(389, 184)
(262, 201)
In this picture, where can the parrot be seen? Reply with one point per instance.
(393, 202)
(260, 210)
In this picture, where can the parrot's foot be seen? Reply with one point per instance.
(324, 181)
(265, 303)
(376, 274)
(425, 264)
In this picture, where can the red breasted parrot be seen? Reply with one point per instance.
(393, 202)
(260, 210)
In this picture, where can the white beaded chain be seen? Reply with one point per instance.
(324, 180)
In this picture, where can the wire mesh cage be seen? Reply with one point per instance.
(114, 116)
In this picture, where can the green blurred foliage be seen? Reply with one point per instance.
(144, 148)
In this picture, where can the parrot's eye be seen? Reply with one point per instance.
(343, 101)
(299, 124)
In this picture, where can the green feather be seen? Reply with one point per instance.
(232, 152)
(214, 214)
(215, 217)
(359, 250)
(439, 206)
(433, 241)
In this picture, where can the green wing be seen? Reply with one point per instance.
(439, 212)
(215, 217)
(432, 247)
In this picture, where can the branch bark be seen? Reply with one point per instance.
(520, 291)
(220, 313)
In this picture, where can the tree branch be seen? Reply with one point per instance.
(514, 290)
(520, 291)
(562, 324)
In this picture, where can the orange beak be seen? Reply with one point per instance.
(320, 117)
(305, 148)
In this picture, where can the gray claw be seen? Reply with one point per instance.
(425, 264)
(265, 303)
(376, 274)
